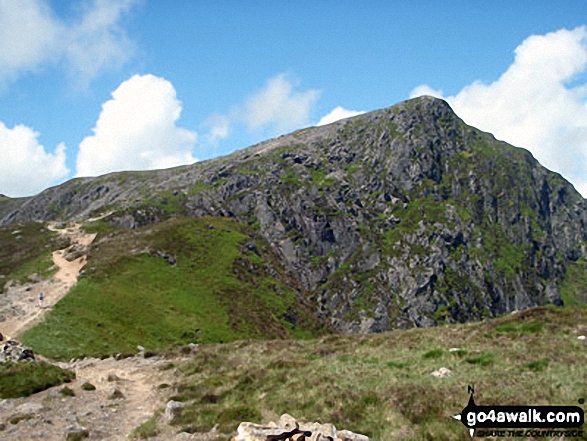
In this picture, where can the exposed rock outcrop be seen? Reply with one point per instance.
(14, 351)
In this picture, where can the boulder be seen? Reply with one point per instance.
(287, 428)
(76, 433)
(442, 373)
(14, 351)
(173, 409)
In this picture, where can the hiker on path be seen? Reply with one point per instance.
(41, 298)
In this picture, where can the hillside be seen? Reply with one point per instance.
(396, 218)
(379, 385)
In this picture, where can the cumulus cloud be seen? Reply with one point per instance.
(540, 102)
(26, 168)
(137, 130)
(336, 114)
(32, 36)
(278, 106)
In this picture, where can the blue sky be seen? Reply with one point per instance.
(89, 87)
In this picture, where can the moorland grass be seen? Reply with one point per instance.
(380, 385)
(24, 379)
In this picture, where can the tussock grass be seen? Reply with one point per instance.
(24, 379)
(380, 385)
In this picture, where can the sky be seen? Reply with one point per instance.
(88, 87)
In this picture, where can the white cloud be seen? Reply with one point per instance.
(219, 128)
(336, 114)
(32, 36)
(279, 106)
(26, 168)
(137, 130)
(539, 103)
(97, 41)
(425, 89)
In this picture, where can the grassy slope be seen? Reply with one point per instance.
(26, 249)
(380, 385)
(217, 292)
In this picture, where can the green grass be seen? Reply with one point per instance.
(146, 430)
(380, 385)
(217, 292)
(573, 292)
(26, 249)
(531, 327)
(24, 379)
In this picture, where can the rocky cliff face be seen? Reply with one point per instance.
(400, 217)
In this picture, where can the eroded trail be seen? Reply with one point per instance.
(127, 394)
(20, 309)
(105, 414)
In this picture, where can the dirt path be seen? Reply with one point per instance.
(20, 308)
(50, 414)
(104, 416)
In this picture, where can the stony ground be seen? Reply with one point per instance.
(126, 396)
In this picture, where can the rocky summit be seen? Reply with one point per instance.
(400, 217)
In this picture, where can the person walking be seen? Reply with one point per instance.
(41, 298)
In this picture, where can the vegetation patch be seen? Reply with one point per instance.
(146, 430)
(538, 365)
(24, 379)
(484, 359)
(531, 327)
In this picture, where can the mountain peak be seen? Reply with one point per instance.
(400, 217)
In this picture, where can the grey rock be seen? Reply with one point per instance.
(173, 409)
(30, 408)
(74, 433)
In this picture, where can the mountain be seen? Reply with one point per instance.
(400, 217)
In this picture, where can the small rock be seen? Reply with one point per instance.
(347, 435)
(113, 377)
(454, 349)
(442, 373)
(67, 392)
(76, 433)
(173, 409)
(29, 408)
(581, 337)
(6, 404)
(88, 386)
(116, 394)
